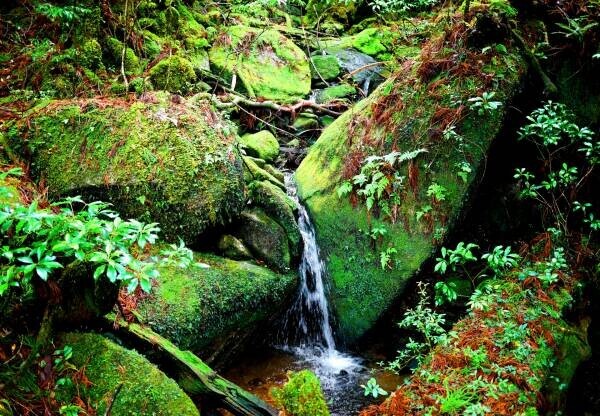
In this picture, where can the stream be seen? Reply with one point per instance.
(308, 341)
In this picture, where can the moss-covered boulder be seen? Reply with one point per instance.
(281, 208)
(253, 171)
(262, 145)
(335, 92)
(417, 117)
(174, 74)
(265, 63)
(265, 238)
(123, 55)
(301, 395)
(173, 163)
(144, 389)
(213, 306)
(325, 67)
(232, 248)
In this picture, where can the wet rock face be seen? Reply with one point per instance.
(171, 163)
(265, 64)
(266, 239)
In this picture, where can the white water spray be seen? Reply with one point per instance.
(307, 324)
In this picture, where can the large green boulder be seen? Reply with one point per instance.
(266, 63)
(265, 238)
(325, 67)
(173, 163)
(262, 145)
(425, 193)
(280, 207)
(214, 305)
(144, 390)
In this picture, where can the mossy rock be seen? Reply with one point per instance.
(269, 65)
(211, 310)
(361, 290)
(131, 62)
(265, 238)
(162, 162)
(253, 171)
(144, 390)
(173, 74)
(281, 208)
(324, 67)
(233, 248)
(262, 145)
(335, 92)
(301, 395)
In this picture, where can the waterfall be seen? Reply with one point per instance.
(307, 325)
(308, 319)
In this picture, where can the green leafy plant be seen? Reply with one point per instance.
(38, 242)
(576, 28)
(373, 389)
(485, 103)
(386, 258)
(428, 324)
(461, 259)
(559, 139)
(378, 183)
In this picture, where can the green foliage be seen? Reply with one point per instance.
(559, 141)
(66, 15)
(485, 103)
(373, 389)
(38, 242)
(386, 257)
(458, 260)
(576, 28)
(428, 324)
(301, 395)
(379, 184)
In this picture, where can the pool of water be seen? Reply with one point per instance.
(341, 375)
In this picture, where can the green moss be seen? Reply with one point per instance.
(252, 172)
(91, 54)
(269, 66)
(265, 238)
(335, 92)
(232, 248)
(157, 162)
(301, 395)
(131, 62)
(204, 309)
(360, 289)
(173, 74)
(262, 145)
(281, 208)
(325, 67)
(145, 390)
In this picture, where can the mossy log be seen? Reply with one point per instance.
(194, 376)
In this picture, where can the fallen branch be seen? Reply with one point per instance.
(238, 100)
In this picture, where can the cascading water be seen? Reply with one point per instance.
(307, 323)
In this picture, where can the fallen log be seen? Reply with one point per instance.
(191, 373)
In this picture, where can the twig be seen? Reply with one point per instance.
(112, 399)
(364, 67)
